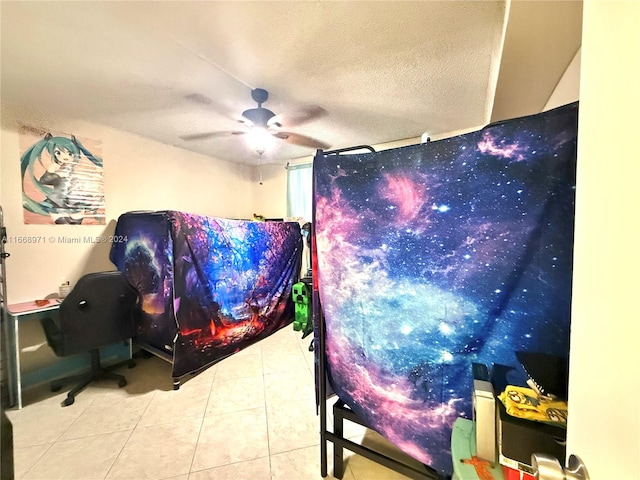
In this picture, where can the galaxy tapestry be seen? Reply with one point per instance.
(210, 286)
(434, 256)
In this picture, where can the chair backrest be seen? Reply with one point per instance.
(97, 312)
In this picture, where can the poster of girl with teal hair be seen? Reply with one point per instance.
(62, 179)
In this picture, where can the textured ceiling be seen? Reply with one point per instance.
(378, 71)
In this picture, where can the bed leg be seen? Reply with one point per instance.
(338, 431)
(323, 456)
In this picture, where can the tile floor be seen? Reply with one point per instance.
(251, 416)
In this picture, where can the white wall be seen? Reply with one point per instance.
(568, 88)
(139, 174)
(270, 198)
(604, 391)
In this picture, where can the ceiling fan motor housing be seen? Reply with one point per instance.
(258, 116)
(259, 95)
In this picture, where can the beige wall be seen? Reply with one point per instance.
(604, 392)
(270, 198)
(139, 174)
(568, 88)
(604, 410)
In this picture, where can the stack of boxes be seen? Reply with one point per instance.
(505, 439)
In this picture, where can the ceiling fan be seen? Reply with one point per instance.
(262, 125)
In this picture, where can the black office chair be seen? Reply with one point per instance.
(97, 312)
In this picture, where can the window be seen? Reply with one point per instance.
(299, 191)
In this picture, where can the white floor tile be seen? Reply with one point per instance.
(82, 459)
(283, 359)
(231, 438)
(158, 451)
(189, 401)
(238, 366)
(258, 469)
(251, 416)
(24, 458)
(292, 426)
(304, 464)
(232, 395)
(42, 423)
(108, 414)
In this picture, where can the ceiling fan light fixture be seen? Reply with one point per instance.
(260, 140)
(262, 128)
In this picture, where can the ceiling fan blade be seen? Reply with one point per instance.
(301, 140)
(298, 117)
(206, 135)
(199, 98)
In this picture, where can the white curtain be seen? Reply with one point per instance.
(299, 190)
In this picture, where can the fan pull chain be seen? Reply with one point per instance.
(260, 166)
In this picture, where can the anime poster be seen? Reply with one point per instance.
(434, 256)
(62, 179)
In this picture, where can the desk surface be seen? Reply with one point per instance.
(32, 307)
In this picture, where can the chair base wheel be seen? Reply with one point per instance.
(68, 401)
(122, 383)
(56, 388)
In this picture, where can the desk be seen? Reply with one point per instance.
(19, 378)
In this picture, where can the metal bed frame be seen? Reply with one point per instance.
(341, 411)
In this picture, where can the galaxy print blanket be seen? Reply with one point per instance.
(434, 256)
(210, 286)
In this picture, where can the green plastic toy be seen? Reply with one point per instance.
(303, 321)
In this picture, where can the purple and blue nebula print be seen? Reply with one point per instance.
(434, 256)
(210, 286)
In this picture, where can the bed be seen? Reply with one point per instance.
(432, 257)
(210, 286)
